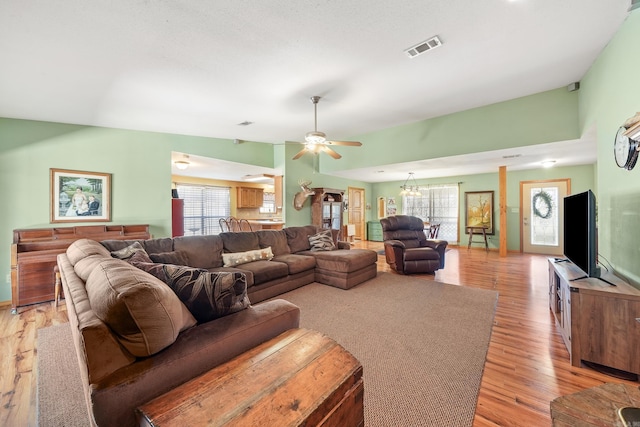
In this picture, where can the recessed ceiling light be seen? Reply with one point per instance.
(245, 123)
(548, 163)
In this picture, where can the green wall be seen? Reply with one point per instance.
(536, 119)
(609, 95)
(582, 179)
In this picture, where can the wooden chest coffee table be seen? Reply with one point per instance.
(301, 377)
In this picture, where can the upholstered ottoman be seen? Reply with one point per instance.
(345, 268)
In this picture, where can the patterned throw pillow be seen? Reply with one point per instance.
(142, 261)
(237, 258)
(322, 241)
(208, 295)
(128, 252)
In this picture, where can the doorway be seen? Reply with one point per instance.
(355, 211)
(541, 216)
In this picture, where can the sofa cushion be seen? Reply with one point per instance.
(264, 271)
(208, 295)
(344, 261)
(238, 258)
(239, 241)
(164, 244)
(140, 261)
(277, 239)
(297, 263)
(82, 248)
(202, 251)
(128, 251)
(85, 266)
(143, 312)
(298, 237)
(322, 241)
(174, 257)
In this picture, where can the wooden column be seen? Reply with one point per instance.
(502, 174)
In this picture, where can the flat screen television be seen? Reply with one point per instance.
(581, 233)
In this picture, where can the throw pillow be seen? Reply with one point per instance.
(176, 258)
(237, 258)
(143, 312)
(128, 252)
(208, 295)
(322, 241)
(142, 261)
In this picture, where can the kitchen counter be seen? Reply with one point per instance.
(266, 224)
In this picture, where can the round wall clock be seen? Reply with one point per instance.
(625, 150)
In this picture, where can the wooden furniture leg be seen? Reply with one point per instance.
(484, 235)
(56, 289)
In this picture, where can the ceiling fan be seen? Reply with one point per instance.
(316, 141)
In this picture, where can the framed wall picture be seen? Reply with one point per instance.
(78, 196)
(479, 210)
(391, 206)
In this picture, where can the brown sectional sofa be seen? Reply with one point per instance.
(116, 382)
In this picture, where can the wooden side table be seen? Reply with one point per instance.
(299, 378)
(477, 230)
(594, 406)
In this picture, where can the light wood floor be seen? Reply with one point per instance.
(527, 364)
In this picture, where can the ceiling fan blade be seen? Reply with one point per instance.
(330, 152)
(300, 153)
(351, 143)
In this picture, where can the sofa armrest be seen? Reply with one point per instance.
(440, 246)
(393, 252)
(395, 243)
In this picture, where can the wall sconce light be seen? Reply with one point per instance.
(412, 188)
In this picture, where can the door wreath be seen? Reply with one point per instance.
(542, 205)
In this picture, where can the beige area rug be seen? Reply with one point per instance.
(422, 344)
(60, 399)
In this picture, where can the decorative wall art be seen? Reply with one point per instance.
(391, 206)
(78, 196)
(479, 210)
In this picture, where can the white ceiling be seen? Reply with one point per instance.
(201, 67)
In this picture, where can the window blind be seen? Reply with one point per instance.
(204, 205)
(438, 204)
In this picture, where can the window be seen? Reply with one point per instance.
(268, 203)
(438, 204)
(204, 205)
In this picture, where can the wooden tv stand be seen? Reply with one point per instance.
(599, 323)
(34, 254)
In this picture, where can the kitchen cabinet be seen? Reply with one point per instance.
(250, 197)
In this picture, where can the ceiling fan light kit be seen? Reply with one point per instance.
(316, 141)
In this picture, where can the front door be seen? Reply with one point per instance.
(355, 211)
(541, 216)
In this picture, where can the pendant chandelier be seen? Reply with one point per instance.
(410, 186)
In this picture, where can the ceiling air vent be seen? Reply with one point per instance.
(422, 47)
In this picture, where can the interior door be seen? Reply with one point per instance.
(541, 216)
(355, 211)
